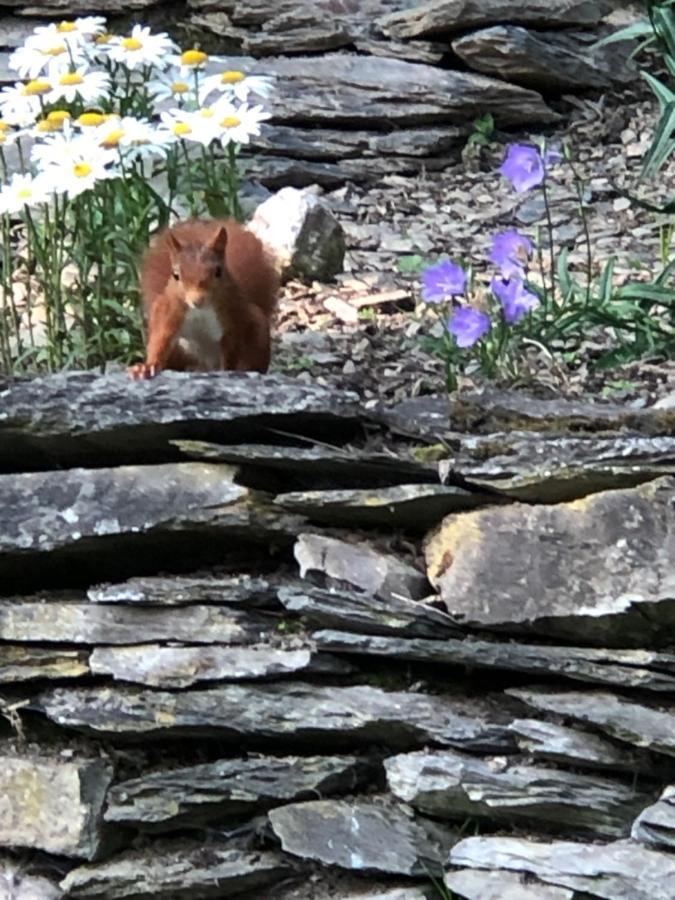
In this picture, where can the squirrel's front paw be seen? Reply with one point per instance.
(141, 371)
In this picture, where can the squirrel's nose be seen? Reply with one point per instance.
(195, 299)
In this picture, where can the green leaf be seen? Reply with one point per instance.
(662, 143)
(662, 92)
(629, 33)
(606, 281)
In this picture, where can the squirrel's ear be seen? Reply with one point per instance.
(219, 241)
(174, 244)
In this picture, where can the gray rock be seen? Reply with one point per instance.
(300, 229)
(621, 870)
(550, 469)
(298, 713)
(412, 507)
(624, 668)
(35, 789)
(18, 883)
(323, 35)
(24, 663)
(76, 417)
(548, 742)
(447, 16)
(640, 724)
(349, 466)
(180, 667)
(233, 590)
(178, 872)
(79, 6)
(449, 785)
(14, 31)
(655, 825)
(77, 622)
(473, 884)
(366, 614)
(362, 836)
(603, 573)
(332, 562)
(544, 61)
(348, 89)
(413, 51)
(230, 788)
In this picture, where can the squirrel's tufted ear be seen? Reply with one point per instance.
(219, 241)
(175, 245)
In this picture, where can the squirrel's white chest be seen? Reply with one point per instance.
(200, 336)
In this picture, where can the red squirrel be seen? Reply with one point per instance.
(209, 291)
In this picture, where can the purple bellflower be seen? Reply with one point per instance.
(525, 167)
(442, 282)
(510, 251)
(468, 325)
(514, 297)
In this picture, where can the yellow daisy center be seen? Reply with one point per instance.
(193, 57)
(181, 128)
(65, 26)
(3, 126)
(71, 78)
(103, 38)
(25, 193)
(56, 50)
(131, 43)
(230, 122)
(35, 88)
(44, 126)
(232, 76)
(91, 118)
(179, 87)
(206, 113)
(113, 138)
(58, 115)
(81, 170)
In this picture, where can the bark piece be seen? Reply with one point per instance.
(23, 663)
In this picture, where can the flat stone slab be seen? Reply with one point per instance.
(178, 870)
(362, 836)
(571, 747)
(365, 614)
(106, 513)
(35, 789)
(544, 60)
(247, 591)
(77, 622)
(27, 663)
(21, 882)
(448, 785)
(348, 466)
(624, 668)
(230, 788)
(473, 884)
(73, 418)
(655, 826)
(642, 724)
(621, 870)
(332, 562)
(603, 570)
(179, 667)
(446, 16)
(297, 713)
(412, 507)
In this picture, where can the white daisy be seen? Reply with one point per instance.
(20, 105)
(167, 87)
(88, 86)
(200, 127)
(23, 190)
(189, 61)
(73, 165)
(237, 84)
(46, 48)
(239, 124)
(83, 26)
(141, 48)
(134, 137)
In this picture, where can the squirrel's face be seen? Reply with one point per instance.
(198, 276)
(198, 272)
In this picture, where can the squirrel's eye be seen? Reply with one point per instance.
(176, 274)
(219, 271)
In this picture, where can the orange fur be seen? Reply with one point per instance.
(209, 290)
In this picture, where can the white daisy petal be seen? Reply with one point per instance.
(23, 190)
(141, 48)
